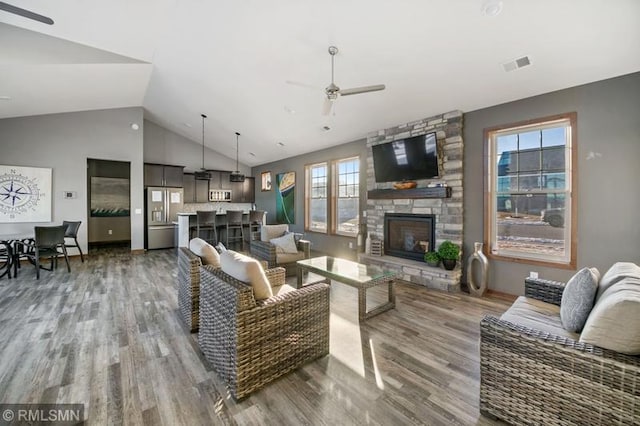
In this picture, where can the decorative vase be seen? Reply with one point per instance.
(433, 264)
(449, 264)
(367, 244)
(477, 289)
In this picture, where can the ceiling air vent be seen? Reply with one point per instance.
(525, 61)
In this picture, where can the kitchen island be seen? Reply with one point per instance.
(188, 219)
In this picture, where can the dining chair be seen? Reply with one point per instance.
(72, 232)
(6, 258)
(48, 243)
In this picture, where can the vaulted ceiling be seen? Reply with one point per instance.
(260, 67)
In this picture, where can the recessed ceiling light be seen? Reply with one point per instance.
(135, 126)
(491, 8)
(186, 125)
(280, 144)
(5, 98)
(289, 110)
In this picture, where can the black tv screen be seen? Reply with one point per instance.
(406, 159)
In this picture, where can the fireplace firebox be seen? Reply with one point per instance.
(409, 235)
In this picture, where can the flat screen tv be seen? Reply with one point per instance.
(406, 159)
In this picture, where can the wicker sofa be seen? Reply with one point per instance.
(251, 343)
(530, 376)
(263, 249)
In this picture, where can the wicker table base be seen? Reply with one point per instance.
(355, 275)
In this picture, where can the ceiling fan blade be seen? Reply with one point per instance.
(364, 89)
(25, 13)
(327, 107)
(300, 84)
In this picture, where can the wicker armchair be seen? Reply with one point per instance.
(252, 343)
(263, 250)
(533, 377)
(189, 287)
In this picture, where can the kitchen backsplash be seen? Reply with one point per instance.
(220, 207)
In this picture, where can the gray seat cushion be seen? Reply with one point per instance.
(538, 315)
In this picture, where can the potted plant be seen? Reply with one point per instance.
(432, 258)
(449, 253)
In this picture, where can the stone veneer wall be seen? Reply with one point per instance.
(448, 211)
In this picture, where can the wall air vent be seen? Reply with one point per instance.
(525, 61)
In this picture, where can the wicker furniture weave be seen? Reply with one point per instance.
(264, 250)
(252, 343)
(189, 287)
(533, 377)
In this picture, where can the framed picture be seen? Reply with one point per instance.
(25, 194)
(266, 181)
(285, 197)
(109, 197)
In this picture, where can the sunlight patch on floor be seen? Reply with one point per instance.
(345, 343)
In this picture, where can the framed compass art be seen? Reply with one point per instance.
(25, 194)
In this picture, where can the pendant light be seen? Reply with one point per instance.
(203, 174)
(236, 176)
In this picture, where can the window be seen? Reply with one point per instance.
(316, 197)
(530, 207)
(343, 187)
(346, 196)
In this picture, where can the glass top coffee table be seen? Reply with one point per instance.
(355, 275)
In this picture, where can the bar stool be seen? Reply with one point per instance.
(234, 222)
(206, 221)
(256, 217)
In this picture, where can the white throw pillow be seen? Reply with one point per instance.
(269, 232)
(205, 251)
(248, 270)
(285, 244)
(616, 273)
(614, 322)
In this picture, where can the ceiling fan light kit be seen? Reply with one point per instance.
(236, 176)
(203, 174)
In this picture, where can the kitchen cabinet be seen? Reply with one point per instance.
(163, 175)
(202, 191)
(195, 190)
(219, 180)
(189, 185)
(244, 192)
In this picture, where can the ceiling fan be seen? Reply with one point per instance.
(332, 91)
(25, 13)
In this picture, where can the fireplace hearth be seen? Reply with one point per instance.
(409, 235)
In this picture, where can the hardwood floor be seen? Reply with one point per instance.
(108, 335)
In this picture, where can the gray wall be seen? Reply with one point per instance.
(162, 146)
(325, 243)
(64, 142)
(608, 200)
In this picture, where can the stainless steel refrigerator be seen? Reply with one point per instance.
(162, 207)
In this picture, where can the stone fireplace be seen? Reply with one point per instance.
(439, 198)
(409, 235)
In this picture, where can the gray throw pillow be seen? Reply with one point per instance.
(577, 299)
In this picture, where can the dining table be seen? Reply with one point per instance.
(11, 250)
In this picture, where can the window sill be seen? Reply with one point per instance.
(523, 260)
